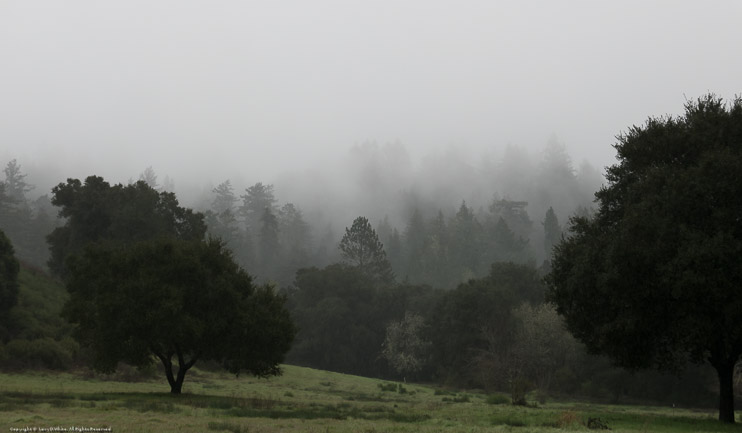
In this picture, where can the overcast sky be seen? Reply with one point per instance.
(206, 89)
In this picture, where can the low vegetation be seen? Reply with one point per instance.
(304, 400)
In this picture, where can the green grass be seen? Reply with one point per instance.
(306, 400)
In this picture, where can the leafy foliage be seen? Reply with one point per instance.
(405, 347)
(342, 318)
(477, 315)
(97, 211)
(653, 278)
(168, 298)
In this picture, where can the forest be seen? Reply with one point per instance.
(429, 273)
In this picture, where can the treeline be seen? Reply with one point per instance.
(441, 223)
(273, 241)
(461, 302)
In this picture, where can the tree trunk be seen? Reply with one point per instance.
(177, 385)
(175, 381)
(725, 372)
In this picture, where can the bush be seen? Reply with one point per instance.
(518, 389)
(541, 396)
(391, 387)
(567, 419)
(39, 353)
(497, 399)
(456, 399)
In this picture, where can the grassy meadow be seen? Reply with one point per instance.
(305, 400)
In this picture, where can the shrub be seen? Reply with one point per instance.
(390, 387)
(497, 399)
(39, 353)
(518, 389)
(567, 419)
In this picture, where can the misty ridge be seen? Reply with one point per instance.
(443, 218)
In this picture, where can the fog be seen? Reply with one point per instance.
(280, 91)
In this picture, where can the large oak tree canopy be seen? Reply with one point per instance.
(653, 278)
(177, 301)
(95, 211)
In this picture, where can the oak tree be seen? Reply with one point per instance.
(653, 278)
(177, 302)
(94, 211)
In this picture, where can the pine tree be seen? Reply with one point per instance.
(15, 183)
(224, 198)
(466, 235)
(361, 247)
(149, 177)
(258, 198)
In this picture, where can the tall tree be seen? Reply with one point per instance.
(294, 230)
(515, 215)
(269, 243)
(224, 198)
(177, 301)
(16, 186)
(149, 177)
(15, 212)
(465, 244)
(257, 198)
(556, 167)
(437, 264)
(223, 222)
(653, 278)
(361, 247)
